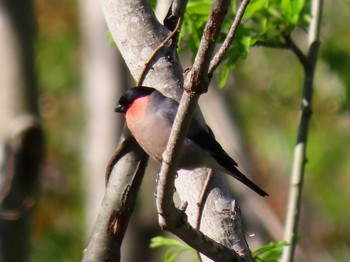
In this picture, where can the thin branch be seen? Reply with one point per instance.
(200, 204)
(296, 50)
(150, 59)
(171, 156)
(298, 169)
(198, 80)
(287, 44)
(171, 218)
(229, 38)
(201, 200)
(276, 45)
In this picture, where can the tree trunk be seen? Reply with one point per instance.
(21, 136)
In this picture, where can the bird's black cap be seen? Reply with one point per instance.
(130, 95)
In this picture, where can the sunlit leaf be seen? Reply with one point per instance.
(174, 247)
(286, 7)
(270, 252)
(254, 7)
(224, 73)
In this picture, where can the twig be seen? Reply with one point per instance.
(229, 38)
(277, 45)
(201, 200)
(287, 44)
(198, 81)
(200, 204)
(304, 60)
(299, 162)
(150, 59)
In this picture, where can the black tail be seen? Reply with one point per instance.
(206, 140)
(230, 165)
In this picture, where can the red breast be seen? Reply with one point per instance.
(137, 110)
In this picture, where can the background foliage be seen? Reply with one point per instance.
(264, 91)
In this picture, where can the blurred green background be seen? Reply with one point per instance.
(267, 88)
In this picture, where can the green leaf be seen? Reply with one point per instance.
(292, 10)
(224, 73)
(196, 7)
(286, 7)
(270, 252)
(174, 247)
(297, 6)
(255, 7)
(274, 13)
(165, 242)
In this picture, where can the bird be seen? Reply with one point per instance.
(150, 115)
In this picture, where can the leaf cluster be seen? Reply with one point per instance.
(264, 22)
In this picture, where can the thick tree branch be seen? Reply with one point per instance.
(124, 148)
(117, 205)
(123, 186)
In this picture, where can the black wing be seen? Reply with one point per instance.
(206, 140)
(197, 133)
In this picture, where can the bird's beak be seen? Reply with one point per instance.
(120, 109)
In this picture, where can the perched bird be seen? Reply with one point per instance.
(150, 116)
